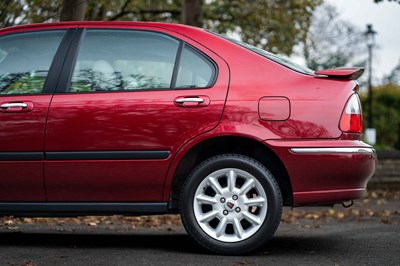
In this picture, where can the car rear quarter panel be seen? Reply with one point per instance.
(315, 104)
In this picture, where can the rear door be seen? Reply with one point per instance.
(25, 95)
(135, 96)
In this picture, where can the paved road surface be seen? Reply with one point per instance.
(369, 236)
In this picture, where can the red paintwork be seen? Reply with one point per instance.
(139, 120)
(21, 181)
(121, 121)
(347, 173)
(23, 132)
(241, 103)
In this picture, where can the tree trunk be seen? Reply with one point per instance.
(192, 12)
(73, 10)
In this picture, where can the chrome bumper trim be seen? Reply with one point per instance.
(369, 151)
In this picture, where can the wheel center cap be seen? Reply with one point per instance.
(230, 205)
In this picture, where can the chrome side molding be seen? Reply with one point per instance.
(369, 151)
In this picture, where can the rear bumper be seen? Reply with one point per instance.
(327, 171)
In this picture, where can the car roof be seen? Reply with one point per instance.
(109, 24)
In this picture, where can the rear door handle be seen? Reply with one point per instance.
(192, 101)
(16, 107)
(189, 100)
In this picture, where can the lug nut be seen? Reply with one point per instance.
(222, 200)
(237, 209)
(234, 197)
(225, 212)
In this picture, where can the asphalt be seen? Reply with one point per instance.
(366, 234)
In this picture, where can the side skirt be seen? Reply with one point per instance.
(72, 209)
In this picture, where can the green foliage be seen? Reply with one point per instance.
(133, 10)
(8, 18)
(273, 25)
(14, 12)
(276, 26)
(386, 114)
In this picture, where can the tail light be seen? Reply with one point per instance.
(351, 120)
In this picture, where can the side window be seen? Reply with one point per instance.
(195, 71)
(25, 60)
(113, 60)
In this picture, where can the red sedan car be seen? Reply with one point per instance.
(103, 118)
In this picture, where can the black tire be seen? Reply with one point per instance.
(225, 238)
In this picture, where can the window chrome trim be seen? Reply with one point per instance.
(369, 151)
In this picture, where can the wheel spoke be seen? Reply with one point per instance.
(231, 180)
(208, 216)
(220, 230)
(254, 220)
(215, 185)
(246, 186)
(256, 201)
(204, 199)
(238, 228)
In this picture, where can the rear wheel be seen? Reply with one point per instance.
(231, 204)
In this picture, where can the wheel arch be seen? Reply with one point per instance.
(230, 144)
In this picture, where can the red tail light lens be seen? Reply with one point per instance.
(351, 120)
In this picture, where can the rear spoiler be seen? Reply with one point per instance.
(351, 73)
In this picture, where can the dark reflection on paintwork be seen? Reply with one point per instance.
(298, 129)
(122, 124)
(291, 128)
